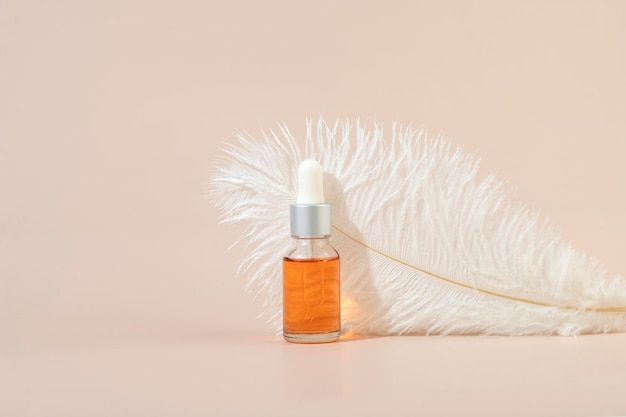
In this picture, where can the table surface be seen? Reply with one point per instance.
(261, 375)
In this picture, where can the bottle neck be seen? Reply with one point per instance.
(322, 240)
(311, 248)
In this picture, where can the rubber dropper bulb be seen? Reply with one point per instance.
(310, 183)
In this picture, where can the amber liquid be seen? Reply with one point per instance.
(311, 298)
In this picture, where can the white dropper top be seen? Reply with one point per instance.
(310, 183)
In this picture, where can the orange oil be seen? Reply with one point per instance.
(311, 295)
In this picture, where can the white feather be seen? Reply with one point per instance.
(426, 248)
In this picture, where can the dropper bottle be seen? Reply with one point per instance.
(311, 289)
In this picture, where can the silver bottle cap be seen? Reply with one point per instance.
(310, 220)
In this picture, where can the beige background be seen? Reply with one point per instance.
(116, 296)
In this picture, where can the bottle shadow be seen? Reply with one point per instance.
(363, 311)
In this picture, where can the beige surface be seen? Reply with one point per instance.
(247, 375)
(114, 286)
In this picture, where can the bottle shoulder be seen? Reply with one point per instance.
(311, 249)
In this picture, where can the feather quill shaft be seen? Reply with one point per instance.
(495, 294)
(426, 247)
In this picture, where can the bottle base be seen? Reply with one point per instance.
(311, 337)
